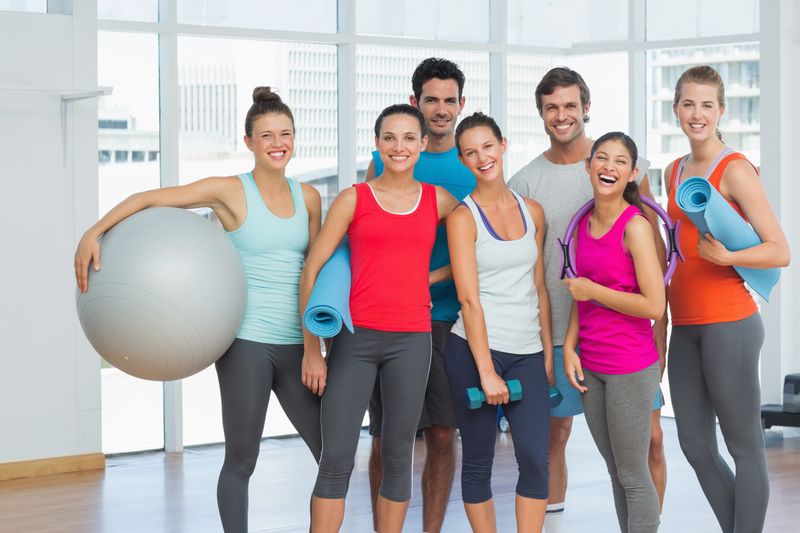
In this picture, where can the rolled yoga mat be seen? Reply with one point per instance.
(711, 213)
(329, 305)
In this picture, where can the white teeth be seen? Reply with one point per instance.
(277, 154)
(398, 157)
(562, 126)
(487, 166)
(605, 178)
(696, 125)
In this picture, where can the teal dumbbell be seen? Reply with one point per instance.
(555, 397)
(476, 397)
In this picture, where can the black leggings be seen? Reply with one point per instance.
(713, 370)
(247, 373)
(401, 362)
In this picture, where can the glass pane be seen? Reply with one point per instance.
(141, 10)
(298, 15)
(216, 78)
(682, 19)
(128, 153)
(566, 22)
(525, 129)
(383, 78)
(740, 124)
(449, 20)
(30, 6)
(606, 75)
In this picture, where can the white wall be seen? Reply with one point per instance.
(780, 137)
(49, 376)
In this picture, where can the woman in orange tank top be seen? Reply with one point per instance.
(717, 331)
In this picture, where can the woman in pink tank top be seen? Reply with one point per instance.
(618, 292)
(391, 225)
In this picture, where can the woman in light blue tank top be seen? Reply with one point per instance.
(503, 330)
(272, 221)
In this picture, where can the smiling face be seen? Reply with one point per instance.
(272, 142)
(698, 111)
(440, 105)
(563, 114)
(482, 153)
(610, 169)
(399, 142)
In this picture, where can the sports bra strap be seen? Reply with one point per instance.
(722, 155)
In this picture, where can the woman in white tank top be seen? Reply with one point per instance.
(503, 330)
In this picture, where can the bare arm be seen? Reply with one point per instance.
(660, 325)
(545, 318)
(572, 362)
(648, 304)
(740, 183)
(314, 371)
(217, 193)
(370, 171)
(461, 234)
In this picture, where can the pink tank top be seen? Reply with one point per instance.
(390, 257)
(611, 342)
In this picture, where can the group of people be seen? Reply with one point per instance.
(456, 284)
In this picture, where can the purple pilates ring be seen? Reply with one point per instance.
(671, 230)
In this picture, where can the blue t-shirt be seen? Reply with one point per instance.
(443, 169)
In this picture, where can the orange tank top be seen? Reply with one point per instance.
(701, 292)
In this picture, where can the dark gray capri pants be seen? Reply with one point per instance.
(438, 407)
(400, 361)
(713, 373)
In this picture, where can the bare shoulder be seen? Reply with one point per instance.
(459, 215)
(638, 226)
(310, 193)
(740, 170)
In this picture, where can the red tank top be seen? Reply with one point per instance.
(701, 292)
(390, 256)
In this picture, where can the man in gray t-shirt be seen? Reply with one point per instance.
(558, 180)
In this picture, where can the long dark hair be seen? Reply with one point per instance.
(631, 192)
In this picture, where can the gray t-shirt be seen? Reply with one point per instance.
(561, 190)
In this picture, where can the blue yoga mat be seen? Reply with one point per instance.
(711, 213)
(329, 305)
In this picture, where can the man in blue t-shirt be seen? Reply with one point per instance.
(438, 85)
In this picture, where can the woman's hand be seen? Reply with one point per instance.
(581, 289)
(494, 388)
(713, 251)
(573, 369)
(87, 254)
(314, 371)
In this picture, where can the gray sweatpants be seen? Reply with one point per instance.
(401, 362)
(247, 373)
(619, 410)
(713, 370)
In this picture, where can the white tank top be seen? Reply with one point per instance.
(505, 283)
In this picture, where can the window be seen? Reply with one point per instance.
(298, 15)
(128, 123)
(566, 22)
(454, 20)
(216, 78)
(141, 10)
(31, 6)
(682, 19)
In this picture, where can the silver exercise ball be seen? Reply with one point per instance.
(169, 297)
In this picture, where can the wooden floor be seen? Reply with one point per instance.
(158, 492)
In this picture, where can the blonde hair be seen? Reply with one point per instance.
(702, 75)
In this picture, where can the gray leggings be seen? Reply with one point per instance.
(247, 372)
(619, 410)
(713, 370)
(401, 362)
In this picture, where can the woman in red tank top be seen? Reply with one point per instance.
(717, 331)
(391, 225)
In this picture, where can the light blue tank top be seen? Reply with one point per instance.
(505, 285)
(273, 253)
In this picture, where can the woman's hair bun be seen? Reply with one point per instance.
(261, 94)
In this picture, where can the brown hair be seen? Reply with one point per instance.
(265, 101)
(562, 77)
(701, 75)
(631, 192)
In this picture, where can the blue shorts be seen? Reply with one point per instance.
(571, 404)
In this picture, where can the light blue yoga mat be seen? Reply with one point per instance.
(711, 213)
(329, 305)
